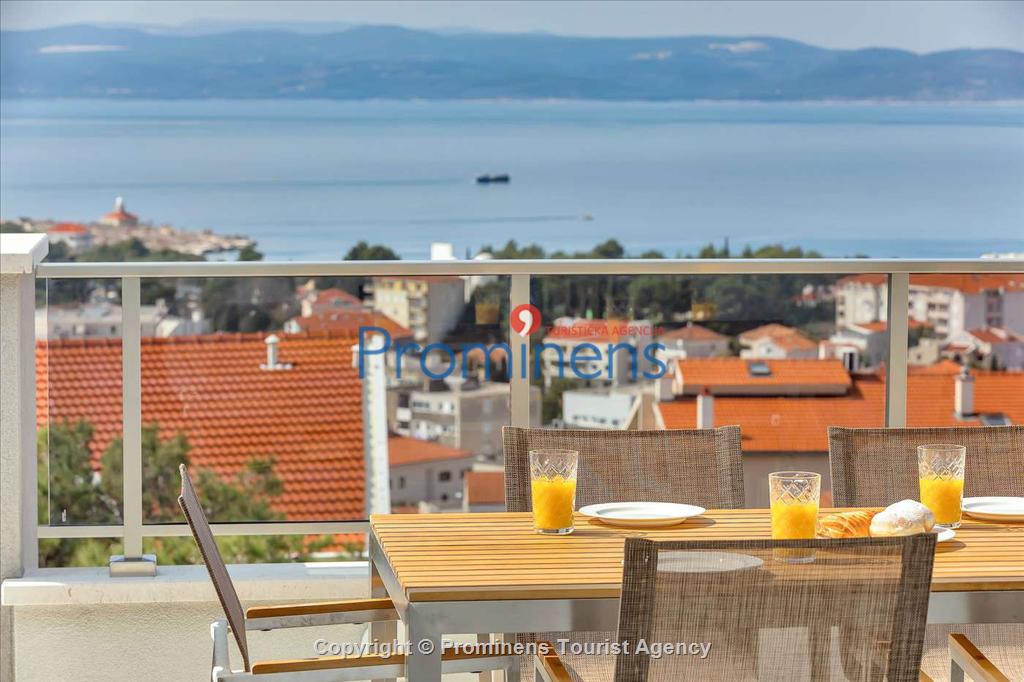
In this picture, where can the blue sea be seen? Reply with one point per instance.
(307, 179)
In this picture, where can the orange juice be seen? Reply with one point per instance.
(553, 501)
(943, 496)
(794, 521)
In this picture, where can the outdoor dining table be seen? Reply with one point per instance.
(451, 574)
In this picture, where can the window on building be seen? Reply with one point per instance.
(444, 476)
(401, 482)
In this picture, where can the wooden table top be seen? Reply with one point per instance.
(484, 556)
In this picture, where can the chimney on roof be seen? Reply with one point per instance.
(273, 352)
(963, 395)
(705, 410)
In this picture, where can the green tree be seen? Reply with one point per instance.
(365, 251)
(71, 492)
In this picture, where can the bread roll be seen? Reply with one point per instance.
(855, 524)
(907, 517)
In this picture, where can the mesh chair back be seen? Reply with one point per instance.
(698, 466)
(876, 467)
(196, 518)
(857, 612)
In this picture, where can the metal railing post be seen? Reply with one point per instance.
(132, 562)
(519, 365)
(897, 322)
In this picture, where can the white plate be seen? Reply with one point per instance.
(706, 562)
(944, 534)
(642, 514)
(995, 508)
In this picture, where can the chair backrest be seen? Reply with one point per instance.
(196, 518)
(857, 611)
(876, 467)
(695, 466)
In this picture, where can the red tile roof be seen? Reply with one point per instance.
(692, 332)
(211, 388)
(348, 322)
(484, 487)
(800, 423)
(69, 228)
(995, 335)
(329, 296)
(944, 366)
(967, 283)
(733, 374)
(882, 325)
(402, 450)
(781, 335)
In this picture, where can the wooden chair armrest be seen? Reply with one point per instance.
(349, 606)
(970, 659)
(550, 666)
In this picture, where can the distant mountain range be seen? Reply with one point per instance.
(389, 62)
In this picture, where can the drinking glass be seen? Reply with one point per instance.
(941, 474)
(794, 499)
(553, 489)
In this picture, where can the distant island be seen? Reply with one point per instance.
(387, 62)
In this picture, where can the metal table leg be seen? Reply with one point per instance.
(423, 662)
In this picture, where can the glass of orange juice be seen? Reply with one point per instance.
(553, 489)
(794, 497)
(941, 472)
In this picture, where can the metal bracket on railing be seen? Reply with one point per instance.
(133, 567)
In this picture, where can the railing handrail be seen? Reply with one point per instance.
(548, 266)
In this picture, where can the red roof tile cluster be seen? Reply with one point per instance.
(402, 450)
(348, 322)
(734, 373)
(967, 283)
(484, 487)
(692, 332)
(211, 388)
(800, 423)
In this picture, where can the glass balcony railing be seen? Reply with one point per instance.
(301, 408)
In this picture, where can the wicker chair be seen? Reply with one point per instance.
(857, 612)
(322, 669)
(698, 466)
(876, 467)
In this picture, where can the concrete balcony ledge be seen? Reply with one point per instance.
(21, 253)
(299, 582)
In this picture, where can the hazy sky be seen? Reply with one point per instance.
(919, 26)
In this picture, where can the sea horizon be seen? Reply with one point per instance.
(307, 178)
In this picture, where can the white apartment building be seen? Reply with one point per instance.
(423, 472)
(430, 306)
(621, 355)
(459, 414)
(949, 304)
(994, 347)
